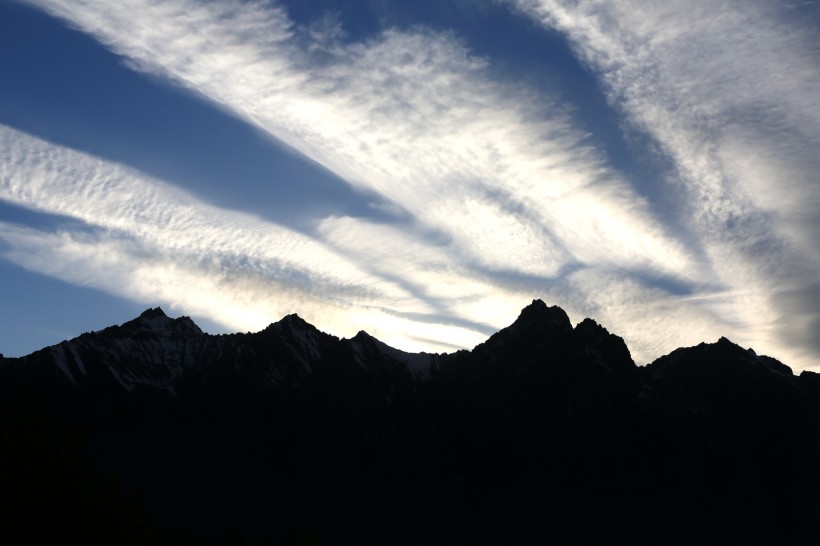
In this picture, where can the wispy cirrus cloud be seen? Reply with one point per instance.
(56, 180)
(143, 239)
(500, 195)
(130, 217)
(409, 115)
(729, 91)
(241, 299)
(652, 319)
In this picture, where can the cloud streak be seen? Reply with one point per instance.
(130, 217)
(499, 197)
(409, 115)
(728, 92)
(146, 240)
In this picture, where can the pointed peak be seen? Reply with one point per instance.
(538, 314)
(537, 306)
(154, 312)
(726, 344)
(155, 320)
(534, 322)
(150, 318)
(723, 344)
(362, 339)
(590, 324)
(294, 320)
(590, 330)
(598, 338)
(188, 323)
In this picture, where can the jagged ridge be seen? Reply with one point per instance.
(544, 431)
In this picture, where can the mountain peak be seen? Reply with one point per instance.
(591, 326)
(155, 320)
(294, 322)
(706, 360)
(600, 339)
(537, 314)
(536, 323)
(151, 319)
(540, 408)
(153, 312)
(361, 335)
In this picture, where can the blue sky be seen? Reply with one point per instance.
(418, 170)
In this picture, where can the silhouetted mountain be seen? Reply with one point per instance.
(154, 432)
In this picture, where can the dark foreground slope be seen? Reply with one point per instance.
(154, 432)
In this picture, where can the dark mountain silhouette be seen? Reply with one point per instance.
(154, 432)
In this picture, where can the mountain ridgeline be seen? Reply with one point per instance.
(153, 432)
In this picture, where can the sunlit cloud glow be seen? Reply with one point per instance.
(495, 193)
(727, 91)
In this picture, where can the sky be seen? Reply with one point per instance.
(418, 170)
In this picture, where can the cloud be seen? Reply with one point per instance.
(453, 292)
(240, 300)
(501, 198)
(164, 221)
(57, 180)
(409, 115)
(728, 92)
(143, 239)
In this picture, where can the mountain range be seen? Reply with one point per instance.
(153, 432)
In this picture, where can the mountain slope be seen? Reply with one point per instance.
(545, 432)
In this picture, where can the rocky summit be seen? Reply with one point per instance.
(153, 432)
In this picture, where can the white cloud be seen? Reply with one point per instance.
(427, 270)
(503, 194)
(168, 222)
(410, 115)
(57, 180)
(240, 300)
(728, 91)
(147, 241)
